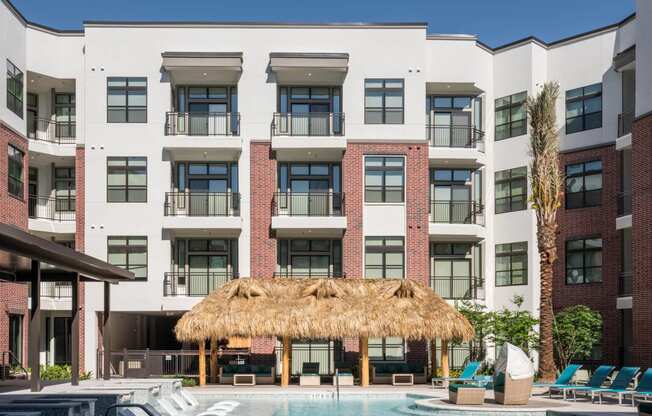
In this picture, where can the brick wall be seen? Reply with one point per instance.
(586, 222)
(80, 216)
(642, 241)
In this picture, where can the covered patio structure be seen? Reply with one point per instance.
(30, 259)
(321, 309)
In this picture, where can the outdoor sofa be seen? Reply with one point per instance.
(264, 374)
(381, 373)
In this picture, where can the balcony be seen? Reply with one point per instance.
(309, 274)
(321, 213)
(624, 218)
(194, 283)
(624, 134)
(202, 124)
(56, 290)
(51, 131)
(202, 210)
(462, 145)
(457, 219)
(625, 284)
(207, 135)
(47, 214)
(458, 288)
(317, 136)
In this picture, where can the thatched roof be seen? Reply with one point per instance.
(323, 308)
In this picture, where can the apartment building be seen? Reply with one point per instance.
(193, 153)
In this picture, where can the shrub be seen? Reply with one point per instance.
(56, 372)
(188, 382)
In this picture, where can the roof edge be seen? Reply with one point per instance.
(164, 23)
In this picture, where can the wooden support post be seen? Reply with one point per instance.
(444, 359)
(74, 317)
(106, 336)
(364, 362)
(213, 360)
(202, 363)
(433, 358)
(287, 350)
(34, 342)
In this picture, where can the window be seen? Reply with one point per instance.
(15, 164)
(511, 264)
(511, 117)
(310, 258)
(584, 261)
(65, 113)
(14, 89)
(384, 258)
(384, 179)
(584, 108)
(130, 253)
(64, 184)
(383, 101)
(511, 190)
(126, 100)
(584, 184)
(386, 349)
(126, 179)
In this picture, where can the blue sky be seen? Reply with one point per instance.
(495, 21)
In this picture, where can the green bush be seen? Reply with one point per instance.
(56, 372)
(188, 382)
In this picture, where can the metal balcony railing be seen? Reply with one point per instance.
(55, 209)
(202, 204)
(453, 287)
(59, 132)
(457, 212)
(308, 124)
(311, 204)
(309, 274)
(455, 136)
(624, 203)
(202, 124)
(625, 284)
(625, 123)
(194, 283)
(56, 290)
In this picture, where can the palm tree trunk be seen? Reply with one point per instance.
(547, 257)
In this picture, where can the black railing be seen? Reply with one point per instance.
(308, 124)
(59, 132)
(455, 136)
(56, 209)
(458, 356)
(11, 366)
(625, 123)
(202, 124)
(624, 203)
(456, 212)
(325, 355)
(56, 290)
(625, 284)
(309, 274)
(202, 204)
(194, 283)
(452, 287)
(311, 204)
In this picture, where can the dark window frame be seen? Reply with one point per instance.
(511, 179)
(126, 186)
(583, 98)
(126, 89)
(512, 132)
(285, 255)
(584, 252)
(384, 249)
(511, 253)
(384, 90)
(128, 249)
(16, 78)
(584, 203)
(64, 180)
(383, 187)
(15, 183)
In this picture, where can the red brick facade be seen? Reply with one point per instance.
(587, 222)
(642, 241)
(80, 218)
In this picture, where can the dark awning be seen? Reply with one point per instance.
(203, 68)
(625, 58)
(18, 247)
(309, 68)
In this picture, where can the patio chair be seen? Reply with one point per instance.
(563, 380)
(467, 374)
(595, 382)
(618, 385)
(310, 375)
(644, 388)
(513, 376)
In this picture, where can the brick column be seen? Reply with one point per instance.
(80, 223)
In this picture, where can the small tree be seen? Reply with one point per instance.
(480, 319)
(577, 329)
(514, 326)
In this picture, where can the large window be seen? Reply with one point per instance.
(511, 118)
(584, 184)
(384, 179)
(384, 258)
(584, 108)
(15, 176)
(584, 261)
(15, 83)
(386, 349)
(130, 253)
(511, 190)
(309, 258)
(126, 179)
(511, 264)
(383, 101)
(126, 100)
(64, 184)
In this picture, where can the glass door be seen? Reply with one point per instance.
(207, 119)
(441, 130)
(461, 130)
(309, 197)
(452, 279)
(16, 338)
(65, 115)
(208, 197)
(62, 331)
(206, 273)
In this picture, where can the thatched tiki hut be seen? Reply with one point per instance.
(322, 308)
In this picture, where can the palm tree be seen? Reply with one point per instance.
(546, 182)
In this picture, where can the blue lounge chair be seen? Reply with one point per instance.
(644, 388)
(468, 374)
(564, 378)
(595, 382)
(618, 385)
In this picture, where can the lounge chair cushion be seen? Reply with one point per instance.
(398, 368)
(259, 370)
(456, 387)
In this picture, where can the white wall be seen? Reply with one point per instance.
(643, 57)
(12, 47)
